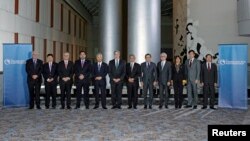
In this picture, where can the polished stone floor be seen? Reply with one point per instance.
(21, 124)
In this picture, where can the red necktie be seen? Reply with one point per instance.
(209, 67)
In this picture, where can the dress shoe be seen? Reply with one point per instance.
(204, 107)
(113, 107)
(188, 106)
(53, 107)
(38, 107)
(150, 107)
(62, 108)
(166, 106)
(180, 106)
(95, 107)
(195, 107)
(31, 107)
(135, 107)
(212, 108)
(87, 107)
(77, 107)
(160, 107)
(129, 107)
(104, 108)
(119, 107)
(145, 107)
(68, 107)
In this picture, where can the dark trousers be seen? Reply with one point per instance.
(65, 92)
(50, 89)
(163, 90)
(79, 87)
(148, 93)
(132, 94)
(34, 91)
(100, 86)
(116, 92)
(178, 94)
(208, 91)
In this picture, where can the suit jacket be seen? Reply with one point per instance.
(165, 73)
(193, 72)
(65, 72)
(85, 70)
(135, 73)
(177, 77)
(50, 74)
(31, 69)
(149, 74)
(119, 72)
(208, 76)
(100, 73)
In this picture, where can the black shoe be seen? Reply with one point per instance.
(204, 107)
(38, 107)
(212, 108)
(104, 108)
(195, 107)
(95, 107)
(62, 108)
(188, 106)
(119, 107)
(129, 107)
(31, 107)
(47, 107)
(54, 107)
(160, 106)
(180, 106)
(145, 107)
(87, 107)
(77, 107)
(113, 107)
(68, 107)
(166, 106)
(135, 107)
(150, 107)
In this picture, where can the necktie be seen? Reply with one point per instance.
(209, 66)
(116, 64)
(190, 63)
(147, 65)
(66, 64)
(34, 62)
(131, 66)
(99, 66)
(82, 63)
(50, 66)
(162, 65)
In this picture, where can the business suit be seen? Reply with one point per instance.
(208, 78)
(132, 87)
(178, 75)
(34, 68)
(149, 75)
(82, 67)
(50, 72)
(164, 72)
(65, 86)
(192, 70)
(118, 72)
(100, 85)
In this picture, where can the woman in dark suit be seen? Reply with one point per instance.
(178, 81)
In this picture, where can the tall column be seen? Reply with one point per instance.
(144, 28)
(110, 27)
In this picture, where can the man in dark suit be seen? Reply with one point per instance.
(192, 70)
(208, 81)
(100, 71)
(65, 73)
(50, 78)
(82, 70)
(149, 78)
(164, 78)
(34, 68)
(133, 73)
(117, 72)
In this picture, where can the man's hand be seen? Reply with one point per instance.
(215, 84)
(131, 80)
(34, 76)
(196, 81)
(168, 83)
(155, 83)
(202, 84)
(98, 78)
(141, 84)
(81, 77)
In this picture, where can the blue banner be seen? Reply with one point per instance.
(233, 75)
(15, 89)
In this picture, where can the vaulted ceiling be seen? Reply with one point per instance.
(92, 7)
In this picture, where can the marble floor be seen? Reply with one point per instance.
(21, 124)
